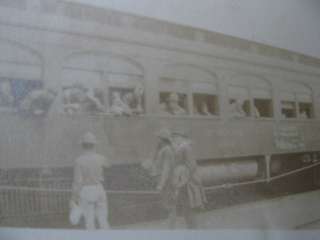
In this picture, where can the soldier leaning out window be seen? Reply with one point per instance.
(38, 102)
(79, 99)
(173, 103)
(15, 92)
(305, 110)
(305, 106)
(6, 96)
(239, 103)
(205, 104)
(288, 109)
(262, 108)
(126, 102)
(236, 108)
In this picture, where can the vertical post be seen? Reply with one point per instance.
(297, 107)
(251, 103)
(222, 90)
(190, 105)
(314, 112)
(106, 87)
(52, 71)
(267, 162)
(276, 107)
(151, 79)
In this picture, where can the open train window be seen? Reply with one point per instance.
(288, 105)
(125, 101)
(262, 103)
(205, 99)
(305, 106)
(205, 104)
(305, 110)
(125, 95)
(82, 91)
(14, 91)
(173, 103)
(239, 102)
(297, 103)
(21, 71)
(112, 84)
(288, 109)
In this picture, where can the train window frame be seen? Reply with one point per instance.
(18, 99)
(163, 94)
(232, 99)
(131, 84)
(116, 71)
(182, 78)
(206, 92)
(167, 86)
(23, 67)
(90, 83)
(252, 84)
(267, 95)
(297, 105)
(213, 111)
(305, 99)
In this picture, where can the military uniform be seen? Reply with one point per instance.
(166, 163)
(88, 188)
(190, 194)
(173, 106)
(118, 106)
(180, 187)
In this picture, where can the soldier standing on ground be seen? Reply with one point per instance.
(164, 165)
(179, 184)
(88, 190)
(190, 195)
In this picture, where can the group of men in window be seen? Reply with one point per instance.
(173, 104)
(6, 96)
(76, 98)
(27, 97)
(176, 104)
(238, 109)
(126, 103)
(130, 102)
(289, 110)
(80, 99)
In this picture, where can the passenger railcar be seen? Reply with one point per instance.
(252, 111)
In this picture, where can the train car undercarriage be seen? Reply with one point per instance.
(42, 200)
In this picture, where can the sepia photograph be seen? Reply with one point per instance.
(115, 120)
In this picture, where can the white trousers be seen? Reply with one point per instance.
(93, 202)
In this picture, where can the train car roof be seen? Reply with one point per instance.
(113, 18)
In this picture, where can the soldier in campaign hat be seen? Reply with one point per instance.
(88, 190)
(190, 195)
(164, 164)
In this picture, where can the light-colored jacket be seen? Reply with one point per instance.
(88, 171)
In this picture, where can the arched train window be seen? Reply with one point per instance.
(296, 101)
(110, 84)
(20, 74)
(188, 90)
(250, 96)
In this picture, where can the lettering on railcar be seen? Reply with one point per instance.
(289, 138)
